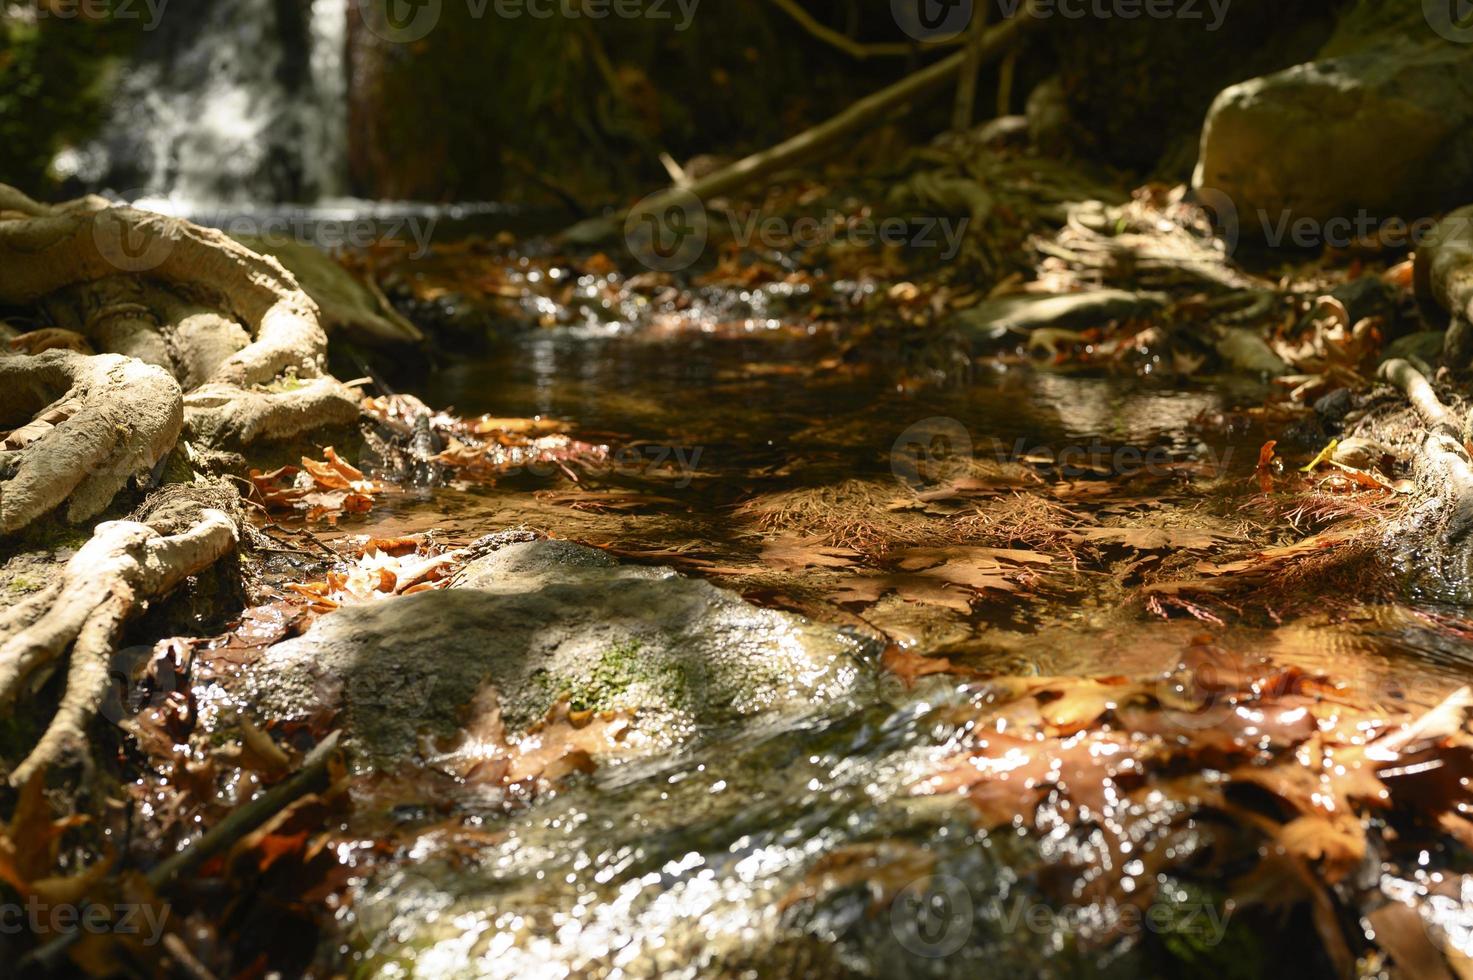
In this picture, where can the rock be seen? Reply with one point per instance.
(1422, 348)
(347, 306)
(1444, 282)
(546, 619)
(1380, 127)
(993, 319)
(1246, 350)
(1137, 84)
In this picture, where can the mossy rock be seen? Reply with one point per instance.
(547, 621)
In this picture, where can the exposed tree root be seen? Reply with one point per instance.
(82, 241)
(1440, 465)
(124, 565)
(83, 427)
(226, 414)
(188, 299)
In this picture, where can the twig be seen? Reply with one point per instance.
(310, 778)
(855, 49)
(1412, 384)
(995, 42)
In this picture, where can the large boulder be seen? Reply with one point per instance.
(1381, 126)
(544, 621)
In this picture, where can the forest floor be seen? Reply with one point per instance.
(1157, 632)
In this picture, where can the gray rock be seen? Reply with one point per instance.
(1380, 127)
(1245, 350)
(546, 619)
(1423, 347)
(993, 319)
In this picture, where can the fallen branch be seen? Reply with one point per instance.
(312, 777)
(1441, 465)
(996, 42)
(855, 49)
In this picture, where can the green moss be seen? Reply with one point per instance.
(25, 583)
(619, 668)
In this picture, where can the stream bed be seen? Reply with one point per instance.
(799, 843)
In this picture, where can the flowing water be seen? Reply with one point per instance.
(227, 102)
(795, 846)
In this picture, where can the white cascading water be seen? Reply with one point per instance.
(221, 107)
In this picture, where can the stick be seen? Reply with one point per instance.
(992, 45)
(1401, 374)
(845, 43)
(239, 822)
(246, 818)
(966, 84)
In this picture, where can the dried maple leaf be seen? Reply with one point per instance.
(796, 554)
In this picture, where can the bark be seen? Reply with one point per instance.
(112, 577)
(83, 426)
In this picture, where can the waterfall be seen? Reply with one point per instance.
(228, 104)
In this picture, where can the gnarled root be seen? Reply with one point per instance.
(81, 427)
(190, 299)
(220, 414)
(1442, 468)
(125, 564)
(83, 242)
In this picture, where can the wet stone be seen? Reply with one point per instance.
(547, 620)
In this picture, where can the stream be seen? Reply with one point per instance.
(792, 844)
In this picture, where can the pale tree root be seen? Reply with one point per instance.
(218, 414)
(189, 299)
(83, 427)
(1441, 465)
(125, 565)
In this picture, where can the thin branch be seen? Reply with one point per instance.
(855, 49)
